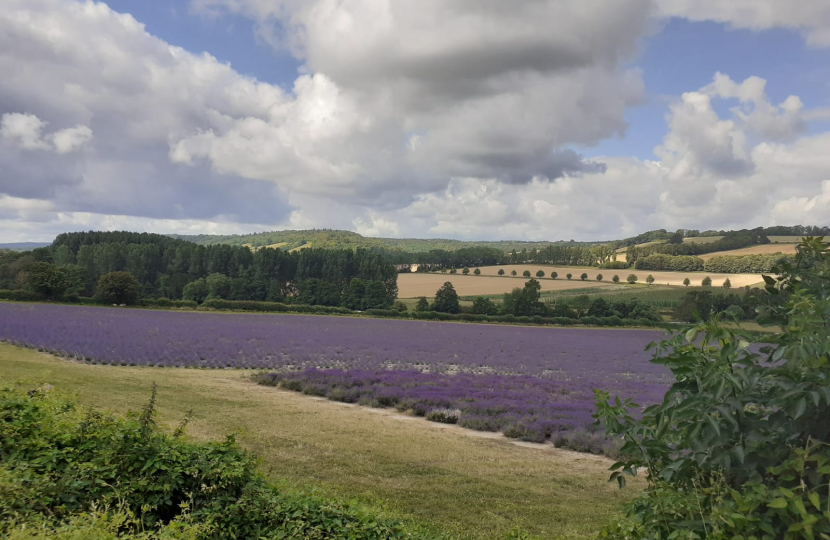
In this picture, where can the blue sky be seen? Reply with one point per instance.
(443, 118)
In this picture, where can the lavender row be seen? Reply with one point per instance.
(520, 406)
(293, 343)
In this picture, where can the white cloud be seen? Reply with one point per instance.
(24, 129)
(375, 225)
(441, 118)
(70, 139)
(486, 89)
(810, 17)
(804, 209)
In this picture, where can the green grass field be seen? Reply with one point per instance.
(655, 295)
(785, 239)
(442, 478)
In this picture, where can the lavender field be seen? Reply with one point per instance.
(527, 382)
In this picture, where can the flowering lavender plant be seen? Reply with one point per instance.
(527, 382)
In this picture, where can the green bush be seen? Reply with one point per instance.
(384, 313)
(273, 307)
(614, 265)
(18, 295)
(167, 303)
(62, 469)
(740, 446)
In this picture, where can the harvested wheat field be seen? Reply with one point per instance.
(661, 278)
(764, 249)
(415, 285)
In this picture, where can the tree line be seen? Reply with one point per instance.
(166, 267)
(731, 240)
(526, 302)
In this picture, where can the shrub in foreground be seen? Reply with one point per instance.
(740, 446)
(63, 469)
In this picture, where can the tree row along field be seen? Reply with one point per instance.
(489, 282)
(761, 249)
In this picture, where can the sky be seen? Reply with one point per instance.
(469, 119)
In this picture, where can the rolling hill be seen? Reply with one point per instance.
(329, 238)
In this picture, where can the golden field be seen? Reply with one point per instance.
(489, 282)
(764, 249)
(415, 285)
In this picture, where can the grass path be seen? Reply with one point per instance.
(444, 479)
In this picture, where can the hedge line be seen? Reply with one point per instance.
(744, 264)
(536, 319)
(270, 307)
(677, 263)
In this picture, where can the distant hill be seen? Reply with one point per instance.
(24, 246)
(329, 238)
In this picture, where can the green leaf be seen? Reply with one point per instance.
(800, 408)
(778, 503)
(714, 423)
(814, 498)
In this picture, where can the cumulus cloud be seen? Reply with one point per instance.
(799, 209)
(441, 118)
(23, 129)
(374, 225)
(124, 95)
(438, 89)
(26, 131)
(810, 17)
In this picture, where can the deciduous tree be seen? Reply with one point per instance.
(446, 299)
(117, 288)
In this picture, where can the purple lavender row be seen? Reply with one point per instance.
(520, 406)
(293, 342)
(527, 382)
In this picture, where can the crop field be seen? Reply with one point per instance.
(526, 381)
(785, 239)
(656, 295)
(661, 278)
(420, 284)
(762, 249)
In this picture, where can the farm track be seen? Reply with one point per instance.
(442, 477)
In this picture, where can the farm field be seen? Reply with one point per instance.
(763, 249)
(661, 278)
(785, 239)
(447, 479)
(533, 382)
(659, 296)
(420, 284)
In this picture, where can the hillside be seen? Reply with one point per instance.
(23, 246)
(329, 238)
